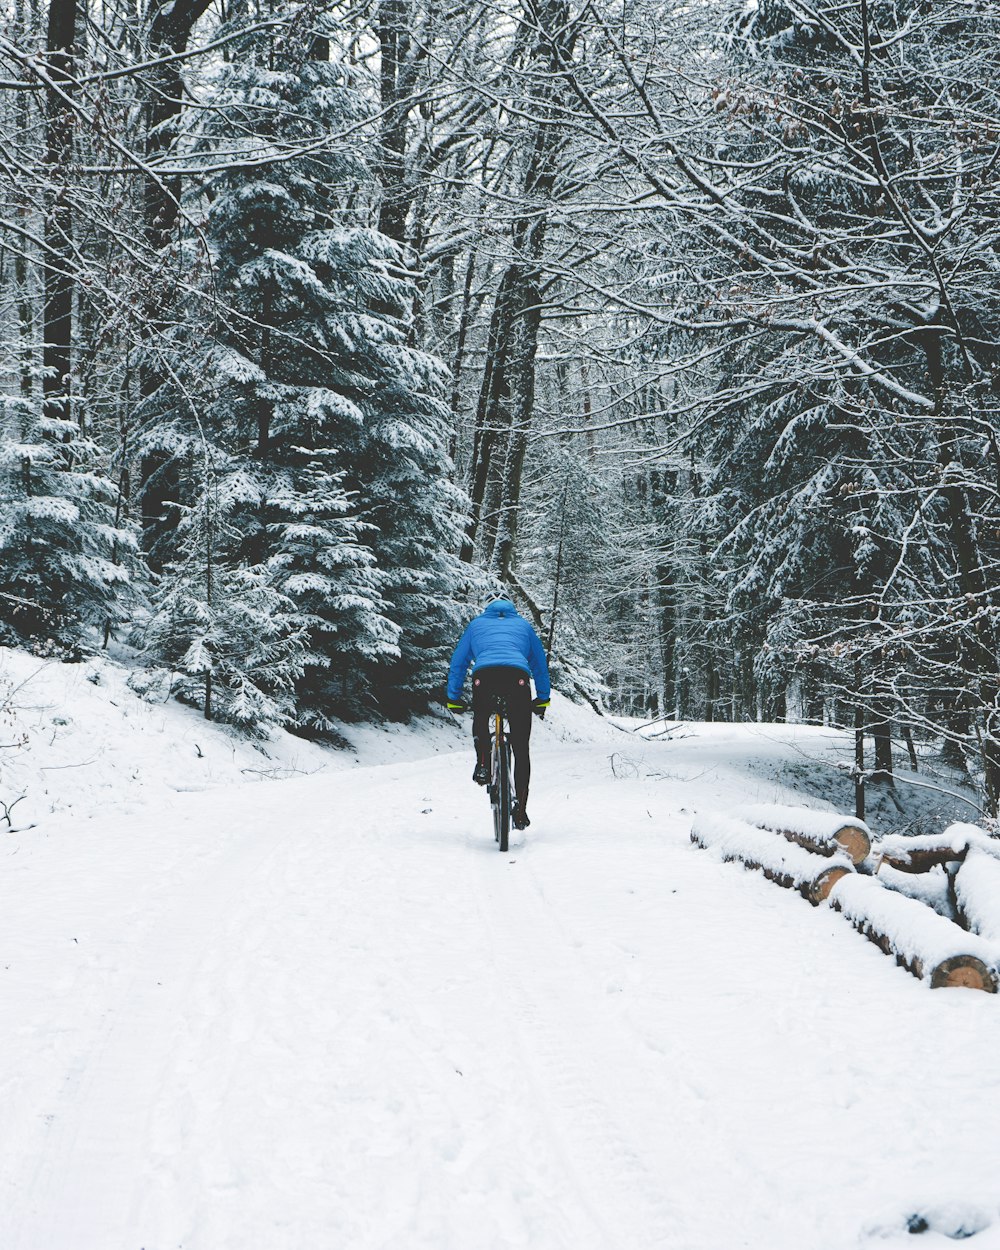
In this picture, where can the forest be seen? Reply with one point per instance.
(320, 321)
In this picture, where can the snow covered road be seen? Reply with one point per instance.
(327, 1013)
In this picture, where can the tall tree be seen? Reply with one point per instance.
(58, 267)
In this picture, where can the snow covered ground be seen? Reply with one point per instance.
(249, 1013)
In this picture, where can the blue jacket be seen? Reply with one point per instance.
(499, 636)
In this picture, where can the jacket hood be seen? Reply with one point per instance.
(500, 607)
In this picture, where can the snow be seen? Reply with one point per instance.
(89, 744)
(963, 834)
(244, 1013)
(977, 889)
(929, 888)
(75, 740)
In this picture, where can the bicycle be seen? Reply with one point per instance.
(501, 785)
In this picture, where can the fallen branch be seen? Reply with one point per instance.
(9, 807)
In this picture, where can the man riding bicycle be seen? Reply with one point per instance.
(503, 650)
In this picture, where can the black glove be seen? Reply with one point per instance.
(538, 706)
(456, 706)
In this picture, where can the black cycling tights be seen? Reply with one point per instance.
(515, 686)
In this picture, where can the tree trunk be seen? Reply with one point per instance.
(491, 395)
(661, 489)
(458, 359)
(522, 410)
(764, 851)
(882, 734)
(58, 234)
(849, 839)
(170, 23)
(958, 730)
(507, 397)
(25, 311)
(859, 763)
(394, 43)
(911, 750)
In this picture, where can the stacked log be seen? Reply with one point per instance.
(783, 862)
(816, 854)
(823, 833)
(922, 941)
(926, 851)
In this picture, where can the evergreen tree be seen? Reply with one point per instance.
(319, 561)
(228, 636)
(66, 559)
(339, 416)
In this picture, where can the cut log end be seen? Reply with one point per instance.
(855, 842)
(964, 972)
(824, 883)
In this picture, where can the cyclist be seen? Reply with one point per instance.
(503, 650)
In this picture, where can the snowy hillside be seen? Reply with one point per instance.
(74, 739)
(322, 1011)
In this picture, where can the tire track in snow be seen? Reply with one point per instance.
(111, 1090)
(603, 1101)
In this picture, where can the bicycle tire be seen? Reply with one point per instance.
(495, 783)
(500, 785)
(504, 803)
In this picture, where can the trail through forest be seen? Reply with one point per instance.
(328, 1013)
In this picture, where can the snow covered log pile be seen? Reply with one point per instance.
(946, 932)
(780, 860)
(824, 833)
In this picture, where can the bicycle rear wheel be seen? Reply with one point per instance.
(501, 792)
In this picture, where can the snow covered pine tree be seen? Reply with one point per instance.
(330, 426)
